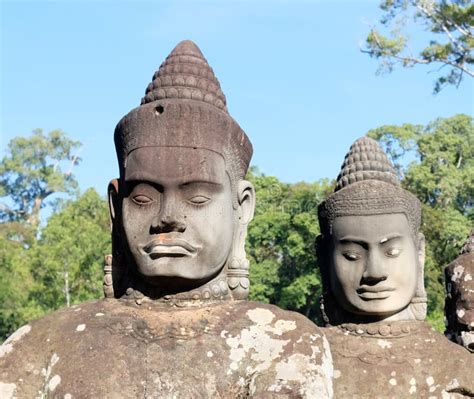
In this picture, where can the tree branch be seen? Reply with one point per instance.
(410, 59)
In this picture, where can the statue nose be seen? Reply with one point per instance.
(167, 224)
(168, 220)
(375, 268)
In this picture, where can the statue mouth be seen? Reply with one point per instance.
(366, 292)
(166, 246)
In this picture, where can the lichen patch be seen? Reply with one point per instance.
(54, 382)
(7, 346)
(261, 317)
(315, 380)
(255, 340)
(7, 391)
(457, 272)
(283, 326)
(383, 343)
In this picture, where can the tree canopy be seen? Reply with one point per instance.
(449, 46)
(32, 170)
(280, 243)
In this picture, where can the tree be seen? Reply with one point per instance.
(67, 260)
(16, 282)
(32, 171)
(450, 23)
(280, 243)
(442, 177)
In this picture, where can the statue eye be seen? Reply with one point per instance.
(351, 256)
(393, 252)
(198, 199)
(142, 199)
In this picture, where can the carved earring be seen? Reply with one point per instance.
(108, 281)
(238, 277)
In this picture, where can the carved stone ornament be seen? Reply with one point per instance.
(459, 306)
(371, 255)
(368, 191)
(173, 323)
(185, 108)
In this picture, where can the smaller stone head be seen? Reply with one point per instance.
(459, 306)
(181, 206)
(370, 250)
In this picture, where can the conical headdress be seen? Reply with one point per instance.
(366, 161)
(186, 74)
(368, 185)
(184, 107)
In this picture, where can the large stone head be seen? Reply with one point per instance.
(181, 205)
(459, 305)
(370, 250)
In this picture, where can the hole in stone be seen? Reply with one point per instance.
(159, 110)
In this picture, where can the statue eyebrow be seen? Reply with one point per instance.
(390, 237)
(354, 240)
(191, 182)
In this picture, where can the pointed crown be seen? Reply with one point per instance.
(368, 185)
(186, 74)
(184, 107)
(366, 161)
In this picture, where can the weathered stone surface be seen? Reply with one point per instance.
(174, 324)
(459, 307)
(372, 257)
(398, 360)
(115, 348)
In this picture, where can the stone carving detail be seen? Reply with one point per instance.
(108, 283)
(174, 322)
(184, 107)
(371, 255)
(366, 187)
(186, 74)
(459, 307)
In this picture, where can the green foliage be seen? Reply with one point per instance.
(442, 177)
(280, 243)
(450, 24)
(71, 246)
(16, 280)
(32, 170)
(68, 258)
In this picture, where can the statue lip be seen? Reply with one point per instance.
(166, 245)
(374, 292)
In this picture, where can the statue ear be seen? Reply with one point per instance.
(113, 198)
(421, 250)
(246, 200)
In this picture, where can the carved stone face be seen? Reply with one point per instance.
(373, 264)
(177, 213)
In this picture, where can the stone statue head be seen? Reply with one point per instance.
(370, 250)
(459, 305)
(181, 206)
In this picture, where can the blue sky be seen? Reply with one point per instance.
(292, 72)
